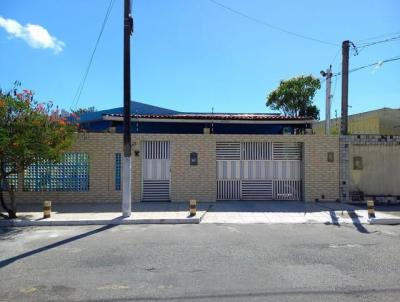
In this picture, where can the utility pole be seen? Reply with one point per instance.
(345, 87)
(127, 163)
(328, 76)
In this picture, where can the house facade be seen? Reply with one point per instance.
(181, 156)
(226, 167)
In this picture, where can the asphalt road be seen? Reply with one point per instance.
(204, 262)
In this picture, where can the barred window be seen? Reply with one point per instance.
(68, 175)
(117, 171)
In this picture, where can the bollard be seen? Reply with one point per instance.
(371, 209)
(46, 209)
(192, 209)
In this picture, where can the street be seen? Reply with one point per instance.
(206, 262)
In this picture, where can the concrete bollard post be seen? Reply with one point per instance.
(193, 205)
(371, 209)
(46, 209)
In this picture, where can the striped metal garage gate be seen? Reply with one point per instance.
(156, 173)
(258, 170)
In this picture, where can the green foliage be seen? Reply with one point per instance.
(80, 111)
(29, 132)
(294, 97)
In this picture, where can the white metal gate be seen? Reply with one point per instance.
(156, 175)
(258, 170)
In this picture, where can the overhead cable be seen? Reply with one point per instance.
(369, 65)
(269, 25)
(84, 77)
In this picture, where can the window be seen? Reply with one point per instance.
(69, 175)
(117, 171)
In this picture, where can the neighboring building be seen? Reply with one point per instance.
(385, 121)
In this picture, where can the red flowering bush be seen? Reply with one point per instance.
(29, 132)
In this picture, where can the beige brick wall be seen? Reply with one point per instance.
(101, 148)
(321, 178)
(380, 173)
(199, 182)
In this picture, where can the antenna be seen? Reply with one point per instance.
(212, 120)
(137, 120)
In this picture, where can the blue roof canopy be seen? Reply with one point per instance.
(136, 108)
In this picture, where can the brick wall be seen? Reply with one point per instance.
(321, 178)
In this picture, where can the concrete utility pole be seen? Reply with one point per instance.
(345, 87)
(328, 76)
(127, 164)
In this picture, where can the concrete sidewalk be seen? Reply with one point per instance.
(289, 212)
(235, 212)
(106, 214)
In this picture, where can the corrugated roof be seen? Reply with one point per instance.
(216, 116)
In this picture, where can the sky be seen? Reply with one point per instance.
(194, 55)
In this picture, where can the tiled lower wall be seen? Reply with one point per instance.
(321, 178)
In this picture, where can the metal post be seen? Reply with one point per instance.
(345, 87)
(328, 101)
(127, 166)
(46, 209)
(371, 208)
(192, 207)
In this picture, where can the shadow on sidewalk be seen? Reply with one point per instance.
(11, 260)
(357, 223)
(334, 219)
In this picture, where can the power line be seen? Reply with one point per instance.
(336, 55)
(378, 42)
(83, 81)
(369, 65)
(261, 22)
(379, 37)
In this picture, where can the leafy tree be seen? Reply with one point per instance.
(29, 132)
(294, 97)
(80, 111)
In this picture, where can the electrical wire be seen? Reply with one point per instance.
(336, 55)
(378, 37)
(84, 77)
(379, 42)
(269, 25)
(334, 91)
(369, 65)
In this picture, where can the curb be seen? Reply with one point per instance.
(26, 223)
(384, 221)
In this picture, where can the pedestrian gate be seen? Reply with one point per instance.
(156, 175)
(258, 170)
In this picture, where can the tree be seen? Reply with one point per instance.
(294, 97)
(29, 132)
(81, 111)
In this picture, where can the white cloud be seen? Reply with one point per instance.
(35, 35)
